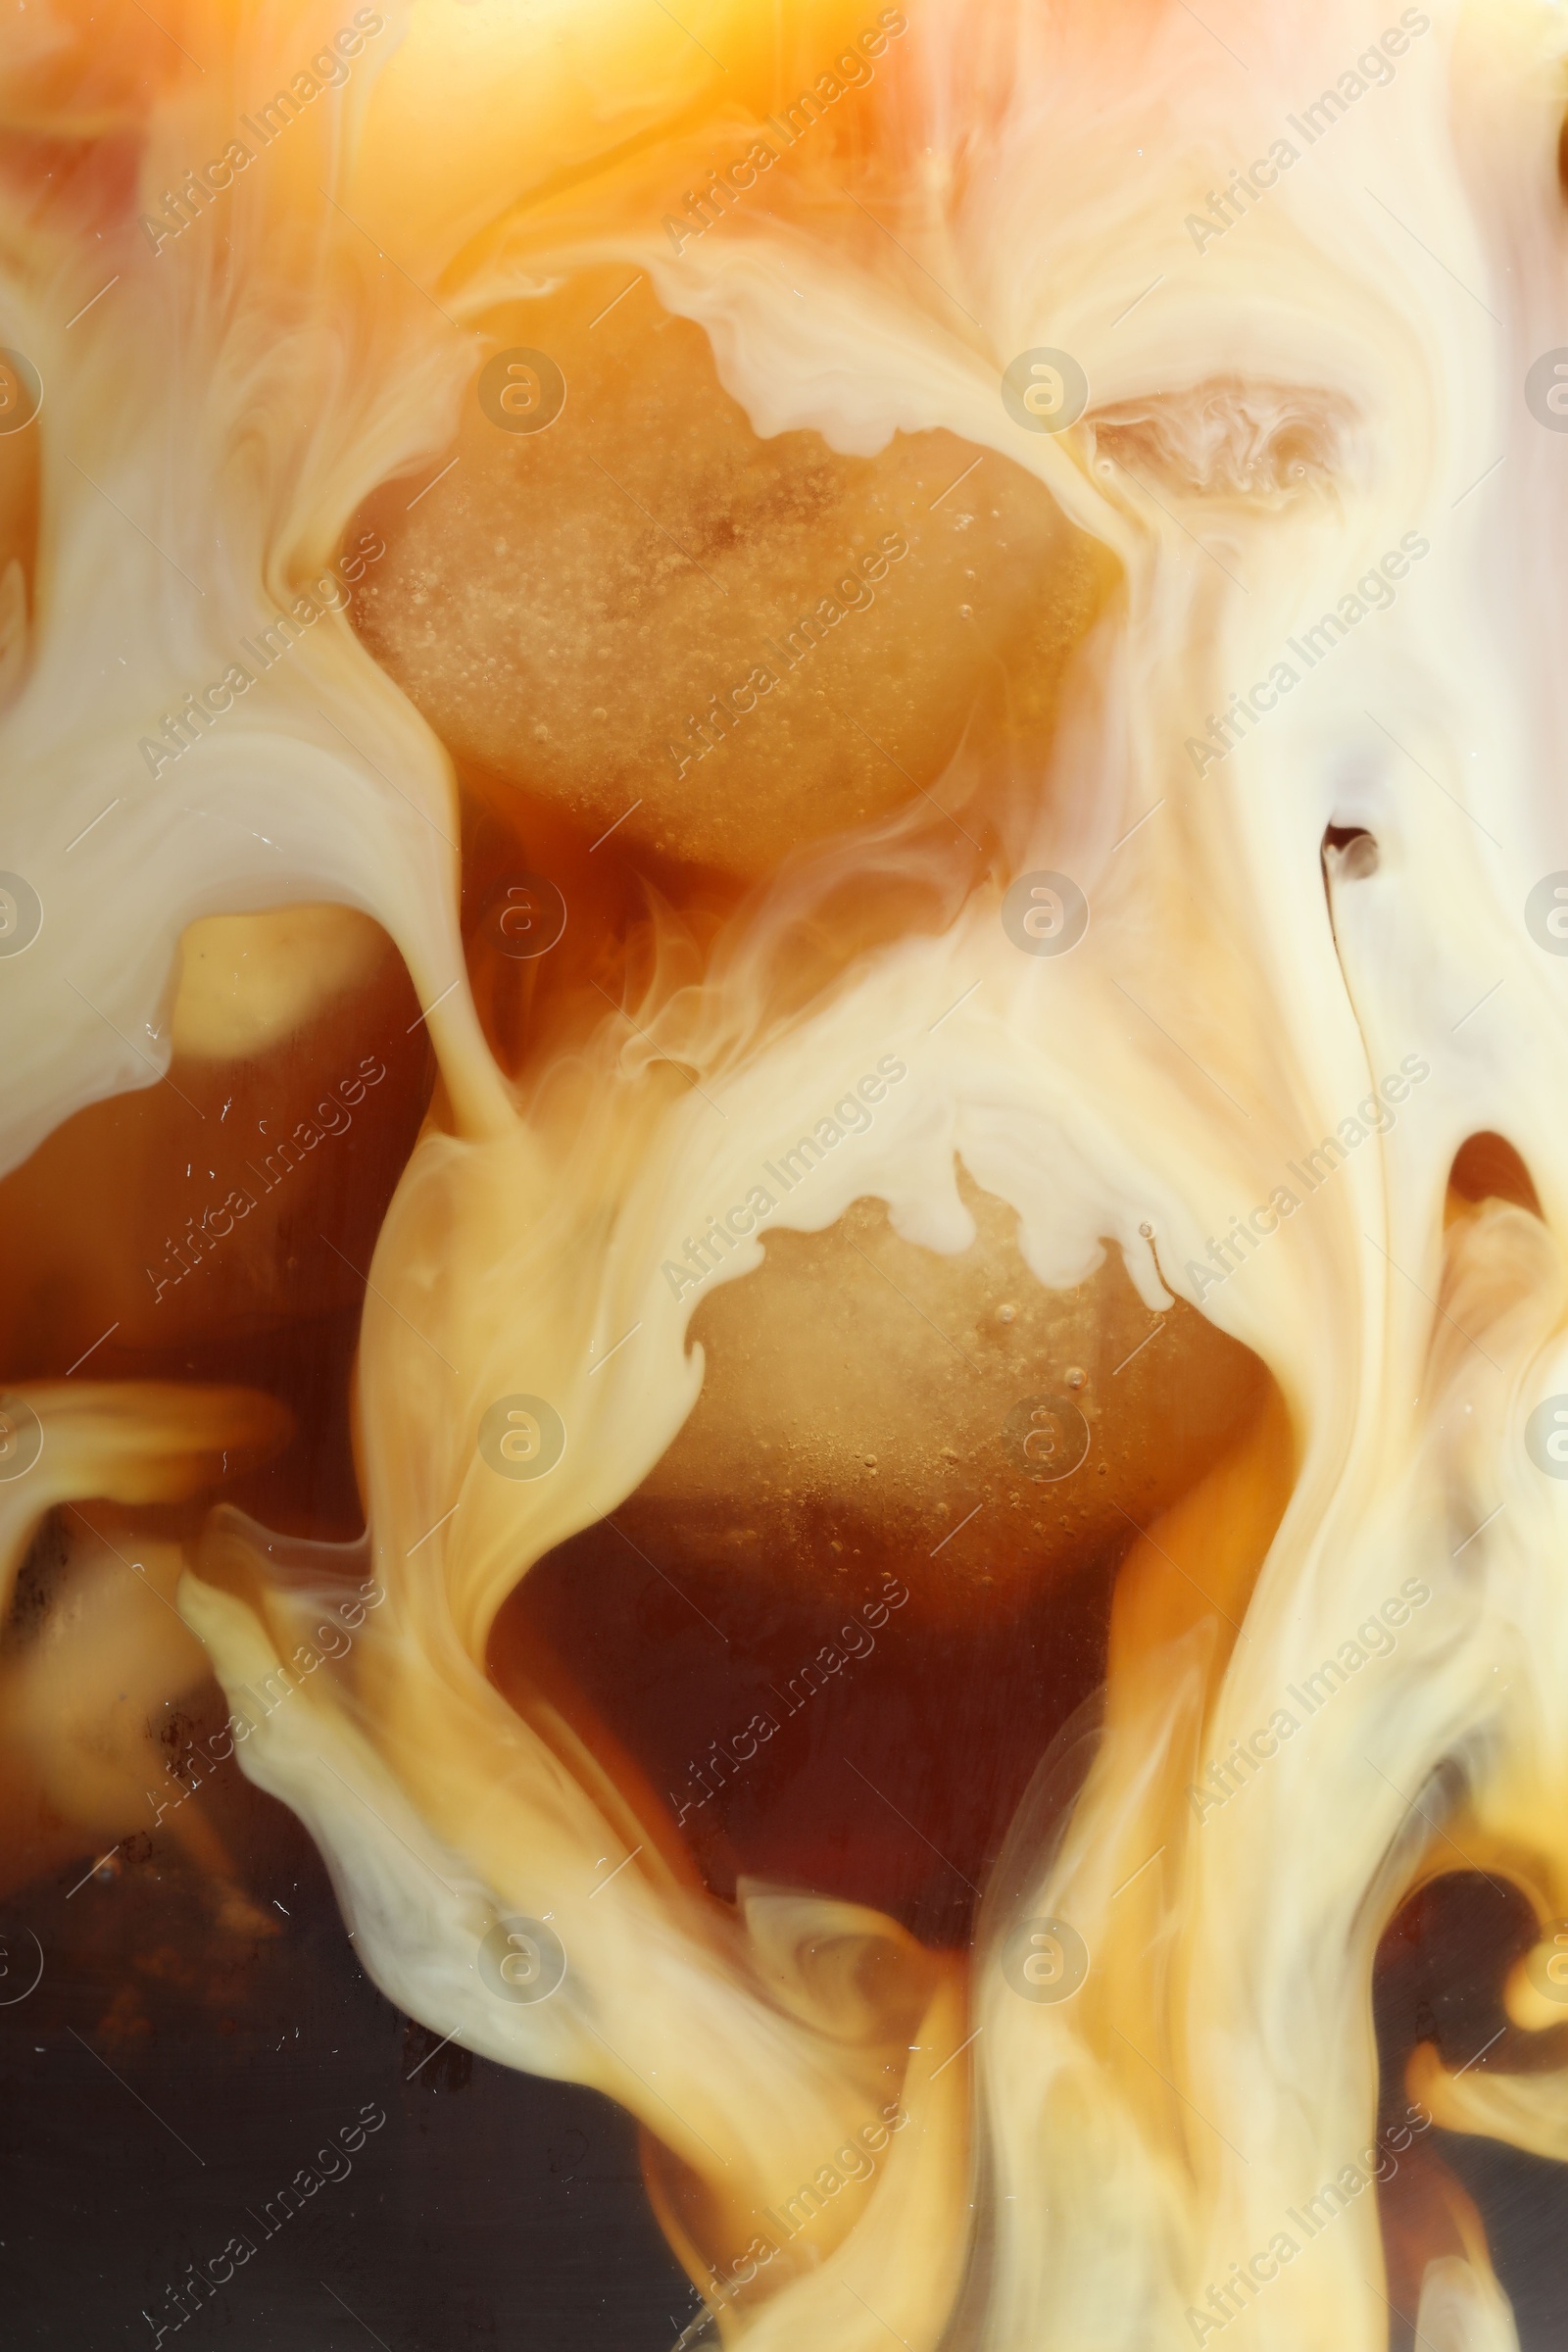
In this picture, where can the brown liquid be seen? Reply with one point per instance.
(589, 612)
(127, 1221)
(732, 1635)
(1441, 1968)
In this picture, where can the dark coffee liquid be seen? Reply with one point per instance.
(836, 1629)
